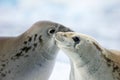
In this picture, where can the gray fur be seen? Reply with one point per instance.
(30, 56)
(89, 60)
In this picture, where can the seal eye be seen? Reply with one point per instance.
(76, 39)
(51, 31)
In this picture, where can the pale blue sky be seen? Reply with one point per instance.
(8, 2)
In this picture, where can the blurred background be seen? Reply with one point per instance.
(98, 18)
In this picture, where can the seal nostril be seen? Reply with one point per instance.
(76, 39)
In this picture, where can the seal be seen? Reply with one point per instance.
(31, 55)
(89, 60)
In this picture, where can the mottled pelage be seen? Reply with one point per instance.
(30, 56)
(89, 60)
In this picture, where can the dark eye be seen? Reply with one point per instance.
(51, 31)
(76, 39)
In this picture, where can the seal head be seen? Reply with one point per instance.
(30, 56)
(89, 60)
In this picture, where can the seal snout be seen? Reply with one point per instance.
(64, 29)
(59, 36)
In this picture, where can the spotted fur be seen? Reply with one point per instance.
(30, 56)
(89, 60)
(114, 66)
